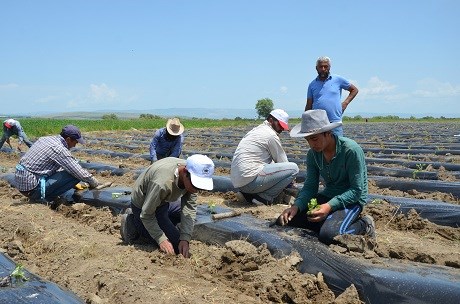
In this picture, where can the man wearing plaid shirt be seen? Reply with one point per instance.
(48, 169)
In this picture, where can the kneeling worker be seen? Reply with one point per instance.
(163, 196)
(340, 162)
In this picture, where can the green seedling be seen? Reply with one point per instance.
(18, 273)
(312, 206)
(212, 207)
(419, 169)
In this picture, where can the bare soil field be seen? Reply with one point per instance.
(79, 246)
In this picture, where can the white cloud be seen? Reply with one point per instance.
(283, 90)
(102, 93)
(377, 88)
(430, 88)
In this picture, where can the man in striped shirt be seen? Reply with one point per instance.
(48, 169)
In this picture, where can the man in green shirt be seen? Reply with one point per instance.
(163, 196)
(340, 162)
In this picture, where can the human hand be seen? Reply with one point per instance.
(288, 214)
(93, 183)
(184, 248)
(320, 213)
(167, 247)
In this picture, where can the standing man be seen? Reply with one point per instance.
(167, 141)
(47, 170)
(260, 169)
(163, 196)
(340, 162)
(325, 92)
(13, 127)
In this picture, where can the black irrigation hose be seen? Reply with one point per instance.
(414, 164)
(411, 151)
(437, 212)
(419, 185)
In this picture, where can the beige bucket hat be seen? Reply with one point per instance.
(313, 122)
(174, 126)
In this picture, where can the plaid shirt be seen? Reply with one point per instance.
(46, 156)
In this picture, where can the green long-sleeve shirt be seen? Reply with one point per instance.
(158, 185)
(345, 177)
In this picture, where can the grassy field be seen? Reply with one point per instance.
(36, 127)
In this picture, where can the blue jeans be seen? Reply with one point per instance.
(338, 222)
(55, 185)
(271, 180)
(168, 216)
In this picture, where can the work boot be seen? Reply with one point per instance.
(57, 202)
(370, 225)
(128, 230)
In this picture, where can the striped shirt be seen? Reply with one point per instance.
(44, 158)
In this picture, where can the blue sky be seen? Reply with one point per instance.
(59, 56)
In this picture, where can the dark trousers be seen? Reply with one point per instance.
(345, 221)
(55, 185)
(168, 216)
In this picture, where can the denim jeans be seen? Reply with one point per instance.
(344, 221)
(271, 180)
(55, 185)
(168, 216)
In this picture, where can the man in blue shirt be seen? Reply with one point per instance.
(168, 141)
(325, 92)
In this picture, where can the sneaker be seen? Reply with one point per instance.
(370, 225)
(128, 230)
(242, 197)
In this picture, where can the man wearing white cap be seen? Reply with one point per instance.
(163, 196)
(260, 169)
(340, 162)
(167, 141)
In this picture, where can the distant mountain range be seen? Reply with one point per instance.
(199, 113)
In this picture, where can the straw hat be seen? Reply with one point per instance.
(313, 122)
(174, 126)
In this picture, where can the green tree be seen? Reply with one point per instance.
(109, 116)
(264, 107)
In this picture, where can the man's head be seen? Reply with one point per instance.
(279, 120)
(314, 126)
(72, 135)
(174, 127)
(323, 67)
(200, 168)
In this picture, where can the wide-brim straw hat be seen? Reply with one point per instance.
(174, 126)
(313, 122)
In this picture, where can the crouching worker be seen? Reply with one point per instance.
(340, 162)
(48, 169)
(163, 196)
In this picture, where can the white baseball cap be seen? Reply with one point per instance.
(201, 169)
(282, 117)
